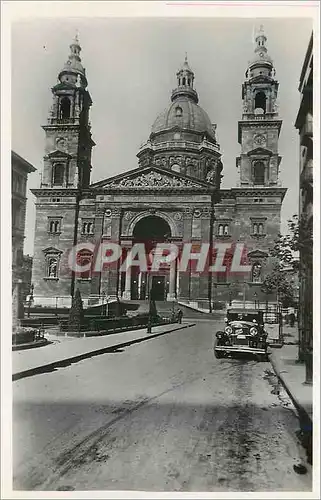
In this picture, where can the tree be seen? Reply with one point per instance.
(76, 314)
(287, 265)
(278, 282)
(299, 240)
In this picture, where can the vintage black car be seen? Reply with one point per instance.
(244, 333)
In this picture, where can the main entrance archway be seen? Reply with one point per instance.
(149, 230)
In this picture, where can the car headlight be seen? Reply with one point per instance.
(228, 330)
(253, 330)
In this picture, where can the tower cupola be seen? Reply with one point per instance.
(261, 66)
(73, 72)
(185, 82)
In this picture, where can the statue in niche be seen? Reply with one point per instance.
(210, 176)
(256, 272)
(53, 268)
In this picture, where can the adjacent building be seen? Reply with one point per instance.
(20, 168)
(173, 195)
(304, 124)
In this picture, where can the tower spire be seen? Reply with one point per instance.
(73, 70)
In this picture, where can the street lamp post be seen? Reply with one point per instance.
(255, 301)
(30, 299)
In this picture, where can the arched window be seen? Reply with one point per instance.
(260, 103)
(259, 173)
(179, 111)
(220, 229)
(87, 227)
(184, 81)
(58, 174)
(226, 230)
(64, 108)
(176, 168)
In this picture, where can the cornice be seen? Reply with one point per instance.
(252, 191)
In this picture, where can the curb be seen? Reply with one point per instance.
(30, 345)
(49, 367)
(303, 414)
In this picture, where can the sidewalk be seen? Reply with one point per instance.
(66, 350)
(292, 375)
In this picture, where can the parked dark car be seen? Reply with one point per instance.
(244, 333)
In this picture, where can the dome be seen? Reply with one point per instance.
(185, 114)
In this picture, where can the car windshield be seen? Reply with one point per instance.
(244, 317)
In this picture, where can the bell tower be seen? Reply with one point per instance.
(259, 129)
(68, 146)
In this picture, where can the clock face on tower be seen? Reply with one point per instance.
(259, 140)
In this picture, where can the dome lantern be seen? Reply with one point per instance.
(185, 82)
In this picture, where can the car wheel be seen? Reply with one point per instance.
(218, 354)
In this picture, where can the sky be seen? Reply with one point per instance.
(131, 66)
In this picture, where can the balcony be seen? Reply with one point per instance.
(62, 121)
(181, 145)
(258, 117)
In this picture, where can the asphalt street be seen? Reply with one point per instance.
(162, 415)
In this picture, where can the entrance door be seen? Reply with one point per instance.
(158, 287)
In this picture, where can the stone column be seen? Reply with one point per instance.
(172, 281)
(128, 282)
(111, 277)
(96, 278)
(184, 276)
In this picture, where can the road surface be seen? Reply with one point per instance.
(162, 415)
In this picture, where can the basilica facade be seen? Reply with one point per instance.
(173, 195)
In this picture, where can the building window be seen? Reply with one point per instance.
(16, 215)
(64, 108)
(84, 259)
(178, 109)
(54, 225)
(260, 103)
(58, 174)
(176, 168)
(223, 229)
(87, 227)
(258, 228)
(259, 173)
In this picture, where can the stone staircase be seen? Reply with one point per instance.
(165, 309)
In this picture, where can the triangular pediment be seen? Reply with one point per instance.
(260, 151)
(52, 250)
(58, 154)
(257, 254)
(148, 178)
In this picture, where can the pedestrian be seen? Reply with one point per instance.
(291, 316)
(179, 315)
